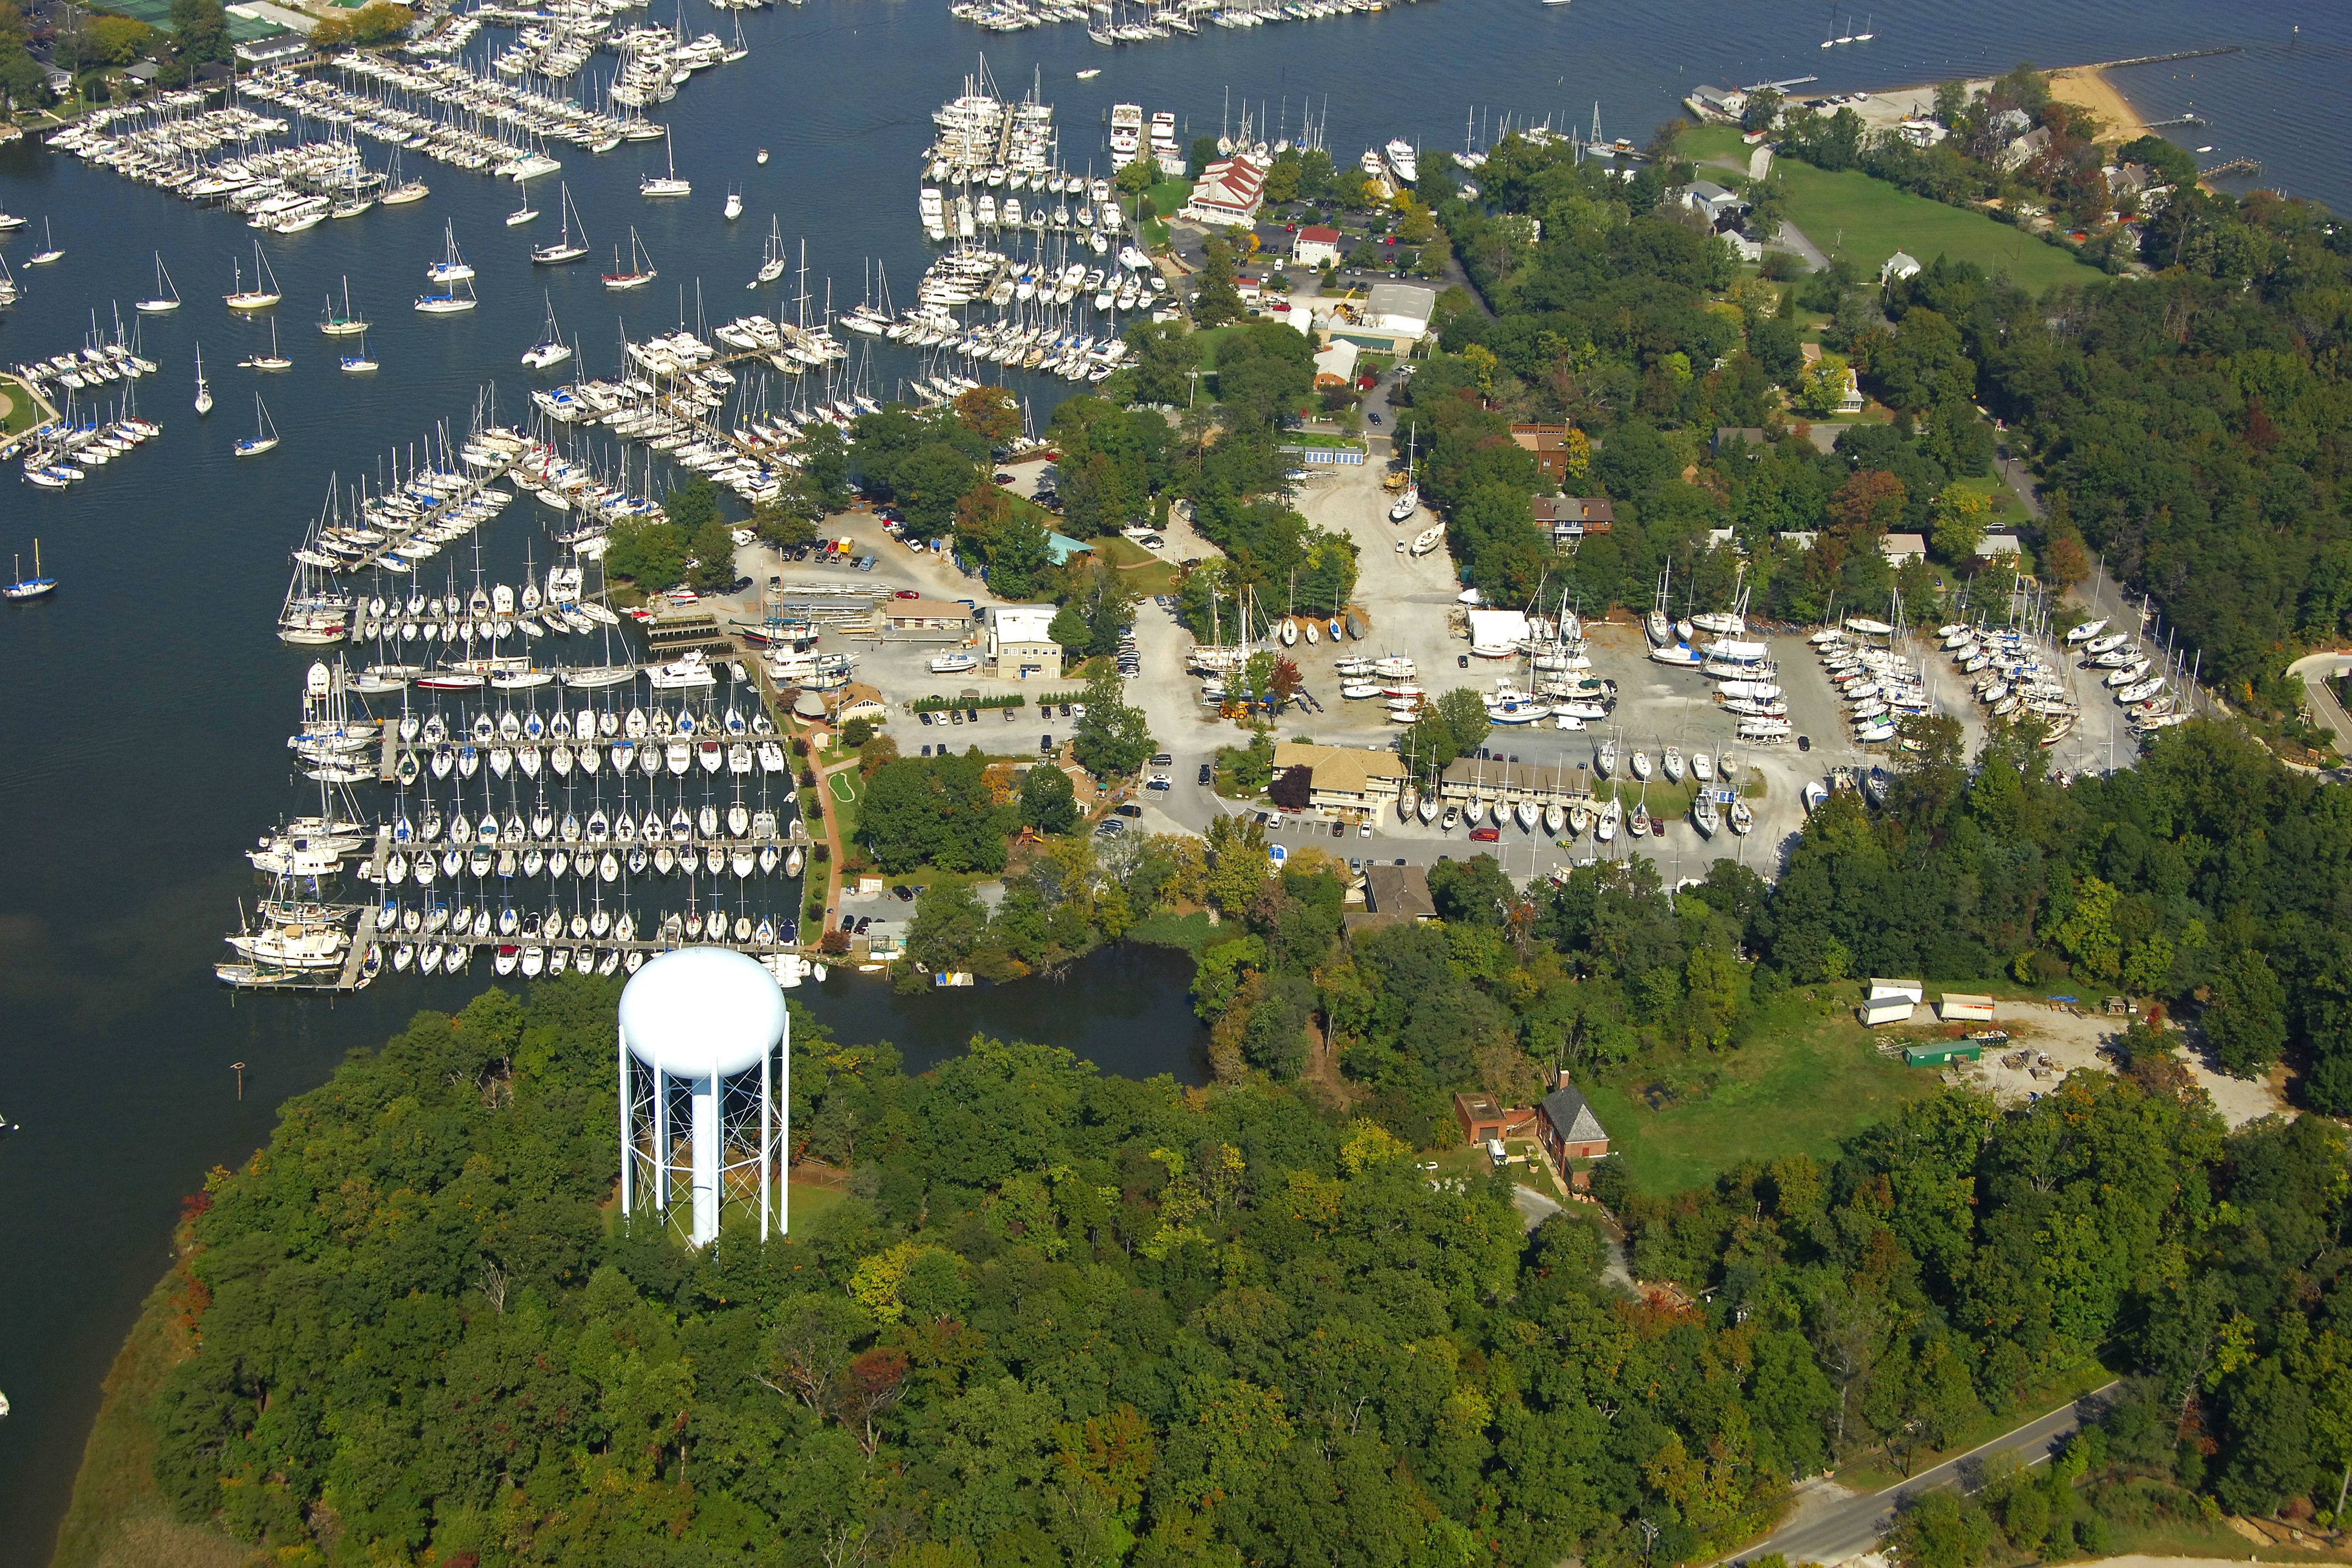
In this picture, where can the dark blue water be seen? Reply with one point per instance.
(142, 711)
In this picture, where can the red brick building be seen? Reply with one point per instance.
(1567, 1128)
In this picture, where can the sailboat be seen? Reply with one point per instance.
(361, 362)
(400, 192)
(640, 267)
(669, 184)
(273, 359)
(31, 587)
(49, 251)
(567, 246)
(550, 350)
(771, 266)
(166, 298)
(524, 212)
(265, 435)
(343, 324)
(263, 293)
(451, 268)
(203, 391)
(449, 301)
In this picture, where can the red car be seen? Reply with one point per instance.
(1485, 835)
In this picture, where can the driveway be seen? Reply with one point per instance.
(2315, 671)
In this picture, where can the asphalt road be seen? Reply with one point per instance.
(1853, 1526)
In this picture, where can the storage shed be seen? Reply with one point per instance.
(1942, 1052)
(1954, 1007)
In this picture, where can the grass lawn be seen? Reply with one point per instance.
(808, 1200)
(1706, 143)
(1144, 572)
(1170, 195)
(20, 412)
(1868, 220)
(1801, 1082)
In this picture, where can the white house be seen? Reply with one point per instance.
(1228, 192)
(1316, 247)
(1713, 200)
(1898, 266)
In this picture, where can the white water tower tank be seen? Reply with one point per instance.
(705, 1060)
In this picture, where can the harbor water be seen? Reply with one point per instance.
(145, 704)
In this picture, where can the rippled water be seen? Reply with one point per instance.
(142, 711)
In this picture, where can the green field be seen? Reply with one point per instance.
(1137, 566)
(1801, 1082)
(1868, 220)
(21, 412)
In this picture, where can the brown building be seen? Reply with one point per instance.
(1550, 443)
(1569, 518)
(1482, 1121)
(1567, 1128)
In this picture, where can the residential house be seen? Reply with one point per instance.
(1567, 1128)
(1728, 435)
(1851, 401)
(1019, 645)
(2025, 149)
(1551, 446)
(1316, 247)
(1568, 518)
(1900, 547)
(1996, 544)
(1898, 266)
(1716, 103)
(1712, 201)
(1401, 891)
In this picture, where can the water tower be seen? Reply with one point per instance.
(705, 1052)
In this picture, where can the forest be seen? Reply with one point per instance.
(2187, 424)
(1055, 1317)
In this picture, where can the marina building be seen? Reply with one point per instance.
(1390, 319)
(1229, 191)
(1343, 778)
(926, 620)
(1335, 365)
(1316, 247)
(1019, 645)
(1489, 779)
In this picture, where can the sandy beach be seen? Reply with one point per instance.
(2088, 88)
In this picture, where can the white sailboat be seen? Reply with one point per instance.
(265, 435)
(772, 265)
(399, 192)
(362, 362)
(640, 270)
(166, 298)
(32, 588)
(49, 251)
(452, 267)
(570, 245)
(345, 323)
(669, 184)
(203, 390)
(524, 212)
(265, 291)
(273, 359)
(550, 350)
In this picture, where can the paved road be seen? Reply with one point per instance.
(2316, 670)
(1854, 1526)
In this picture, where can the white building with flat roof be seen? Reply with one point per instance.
(1018, 644)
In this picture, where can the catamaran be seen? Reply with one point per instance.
(265, 435)
(640, 270)
(343, 323)
(669, 184)
(263, 293)
(31, 587)
(550, 350)
(203, 390)
(166, 298)
(567, 246)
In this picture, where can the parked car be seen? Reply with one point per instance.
(1208, 774)
(1003, 478)
(1127, 809)
(1485, 834)
(1365, 831)
(906, 894)
(1046, 744)
(1111, 828)
(907, 594)
(862, 922)
(849, 923)
(1162, 760)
